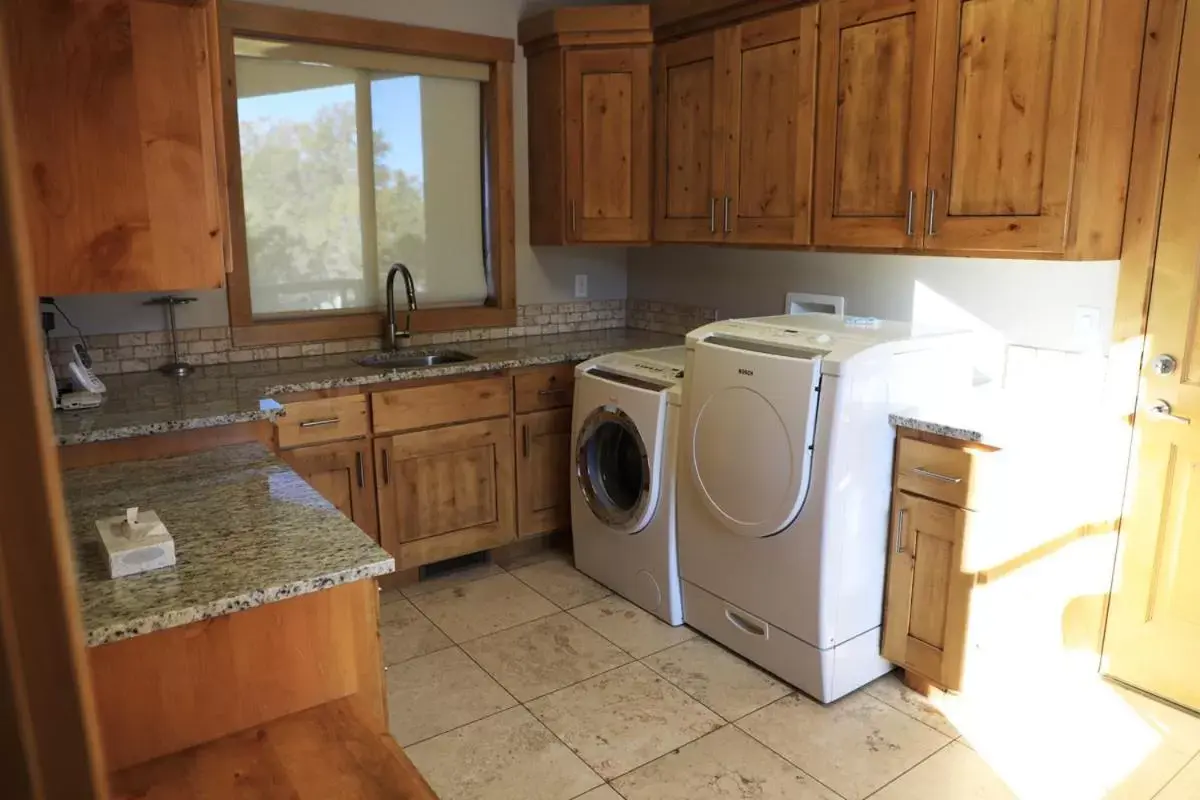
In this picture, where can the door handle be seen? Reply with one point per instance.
(319, 423)
(909, 229)
(387, 472)
(725, 225)
(1162, 410)
(525, 436)
(746, 625)
(931, 229)
(934, 476)
(358, 468)
(571, 205)
(900, 531)
(712, 215)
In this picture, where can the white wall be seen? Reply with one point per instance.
(1030, 303)
(544, 275)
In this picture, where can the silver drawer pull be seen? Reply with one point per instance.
(934, 476)
(547, 392)
(320, 423)
(752, 627)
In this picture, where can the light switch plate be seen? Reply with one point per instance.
(581, 285)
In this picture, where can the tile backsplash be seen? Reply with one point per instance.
(125, 353)
(662, 317)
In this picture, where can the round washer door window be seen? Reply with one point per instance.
(613, 469)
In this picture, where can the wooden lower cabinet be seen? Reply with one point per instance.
(344, 474)
(445, 492)
(543, 471)
(928, 589)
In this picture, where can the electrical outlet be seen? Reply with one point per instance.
(1087, 329)
(581, 285)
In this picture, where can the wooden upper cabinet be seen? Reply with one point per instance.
(773, 84)
(590, 125)
(608, 134)
(876, 68)
(118, 149)
(1005, 123)
(689, 140)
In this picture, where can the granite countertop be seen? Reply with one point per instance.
(248, 531)
(149, 403)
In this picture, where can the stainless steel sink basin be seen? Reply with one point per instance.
(409, 359)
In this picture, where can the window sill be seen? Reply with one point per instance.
(361, 326)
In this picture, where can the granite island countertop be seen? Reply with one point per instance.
(148, 403)
(248, 531)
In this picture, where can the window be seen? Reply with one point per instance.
(350, 144)
(351, 161)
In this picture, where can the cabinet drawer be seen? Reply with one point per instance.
(441, 404)
(326, 420)
(544, 388)
(949, 474)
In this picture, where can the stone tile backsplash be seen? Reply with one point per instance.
(675, 318)
(125, 353)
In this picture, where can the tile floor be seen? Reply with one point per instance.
(536, 683)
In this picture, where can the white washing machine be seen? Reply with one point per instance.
(625, 427)
(784, 488)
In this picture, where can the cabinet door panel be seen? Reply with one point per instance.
(873, 118)
(607, 144)
(1005, 122)
(771, 139)
(544, 472)
(446, 491)
(342, 473)
(117, 143)
(928, 589)
(688, 139)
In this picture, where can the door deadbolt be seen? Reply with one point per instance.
(1164, 364)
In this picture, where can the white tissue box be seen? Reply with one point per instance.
(144, 547)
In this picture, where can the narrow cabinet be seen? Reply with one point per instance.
(118, 148)
(590, 123)
(446, 491)
(344, 474)
(928, 589)
(543, 471)
(876, 72)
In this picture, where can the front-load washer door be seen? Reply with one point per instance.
(613, 466)
(749, 431)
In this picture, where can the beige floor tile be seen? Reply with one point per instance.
(716, 677)
(538, 556)
(448, 580)
(955, 772)
(438, 692)
(725, 765)
(510, 756)
(622, 719)
(891, 690)
(539, 657)
(629, 627)
(561, 583)
(1185, 785)
(604, 792)
(853, 746)
(406, 633)
(481, 607)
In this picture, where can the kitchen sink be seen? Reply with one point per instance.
(409, 359)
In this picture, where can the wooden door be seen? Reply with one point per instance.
(691, 98)
(445, 492)
(544, 472)
(608, 140)
(928, 593)
(873, 94)
(1153, 635)
(1005, 120)
(118, 145)
(774, 68)
(344, 475)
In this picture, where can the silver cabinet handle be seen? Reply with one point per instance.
(931, 229)
(900, 531)
(909, 229)
(358, 468)
(934, 476)
(728, 200)
(320, 423)
(547, 392)
(525, 436)
(1162, 410)
(712, 215)
(571, 206)
(387, 472)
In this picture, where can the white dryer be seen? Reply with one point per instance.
(784, 488)
(624, 431)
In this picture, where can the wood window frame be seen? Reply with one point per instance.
(272, 22)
